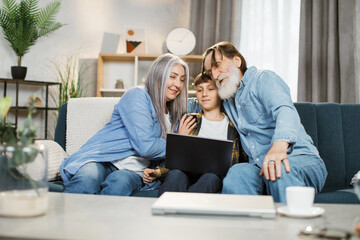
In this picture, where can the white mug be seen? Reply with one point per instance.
(300, 199)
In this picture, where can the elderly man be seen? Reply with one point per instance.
(258, 102)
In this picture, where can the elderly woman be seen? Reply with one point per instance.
(113, 160)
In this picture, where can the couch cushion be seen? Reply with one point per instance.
(345, 195)
(351, 131)
(149, 193)
(86, 116)
(56, 186)
(56, 156)
(308, 119)
(331, 143)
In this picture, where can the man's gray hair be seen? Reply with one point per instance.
(156, 83)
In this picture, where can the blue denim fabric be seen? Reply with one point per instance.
(155, 185)
(306, 170)
(179, 181)
(133, 129)
(263, 113)
(103, 179)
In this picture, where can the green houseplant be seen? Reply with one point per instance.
(23, 167)
(71, 76)
(23, 24)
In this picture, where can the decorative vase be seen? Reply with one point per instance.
(23, 180)
(18, 72)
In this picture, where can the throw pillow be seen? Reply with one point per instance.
(56, 155)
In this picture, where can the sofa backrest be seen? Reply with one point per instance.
(335, 131)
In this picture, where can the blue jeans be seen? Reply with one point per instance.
(306, 170)
(179, 181)
(104, 179)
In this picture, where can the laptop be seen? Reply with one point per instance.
(214, 204)
(197, 154)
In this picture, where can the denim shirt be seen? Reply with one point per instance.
(263, 112)
(133, 129)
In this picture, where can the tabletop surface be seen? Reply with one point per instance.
(80, 216)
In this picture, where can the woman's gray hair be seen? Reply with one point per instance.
(156, 83)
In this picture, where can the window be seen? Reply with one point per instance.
(269, 37)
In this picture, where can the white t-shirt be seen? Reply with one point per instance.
(214, 129)
(136, 163)
(167, 123)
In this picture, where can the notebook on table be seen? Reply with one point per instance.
(214, 204)
(197, 154)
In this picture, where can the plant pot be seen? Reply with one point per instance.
(119, 85)
(23, 180)
(18, 72)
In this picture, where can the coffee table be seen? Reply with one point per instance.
(80, 216)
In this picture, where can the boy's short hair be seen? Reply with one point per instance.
(202, 78)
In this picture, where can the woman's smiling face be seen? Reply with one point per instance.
(176, 82)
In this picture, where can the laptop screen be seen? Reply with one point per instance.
(198, 154)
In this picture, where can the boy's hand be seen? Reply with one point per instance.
(187, 124)
(150, 175)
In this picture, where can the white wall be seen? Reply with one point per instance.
(86, 21)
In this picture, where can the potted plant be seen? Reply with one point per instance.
(119, 84)
(23, 24)
(23, 168)
(72, 78)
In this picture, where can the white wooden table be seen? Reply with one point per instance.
(80, 216)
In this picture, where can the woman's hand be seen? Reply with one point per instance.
(271, 167)
(150, 175)
(187, 124)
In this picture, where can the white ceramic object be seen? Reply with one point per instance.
(312, 212)
(300, 199)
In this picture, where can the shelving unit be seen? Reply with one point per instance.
(134, 60)
(18, 108)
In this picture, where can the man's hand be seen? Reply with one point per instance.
(150, 175)
(271, 168)
(187, 124)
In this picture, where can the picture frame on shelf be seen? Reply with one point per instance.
(135, 41)
(110, 43)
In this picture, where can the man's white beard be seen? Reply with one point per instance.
(228, 89)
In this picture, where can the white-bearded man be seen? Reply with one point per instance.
(258, 102)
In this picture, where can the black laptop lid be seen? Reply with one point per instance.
(197, 154)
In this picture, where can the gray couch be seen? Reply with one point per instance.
(335, 130)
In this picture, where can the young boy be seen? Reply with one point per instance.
(210, 122)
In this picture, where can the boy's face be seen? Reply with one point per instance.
(207, 95)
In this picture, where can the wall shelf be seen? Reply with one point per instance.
(18, 108)
(134, 60)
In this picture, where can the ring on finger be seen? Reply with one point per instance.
(272, 162)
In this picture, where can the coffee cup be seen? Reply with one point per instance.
(300, 199)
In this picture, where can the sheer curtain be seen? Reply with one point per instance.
(269, 37)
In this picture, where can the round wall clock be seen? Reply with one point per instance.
(180, 41)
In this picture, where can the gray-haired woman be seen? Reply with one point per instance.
(113, 160)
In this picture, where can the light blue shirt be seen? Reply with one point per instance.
(263, 112)
(133, 129)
